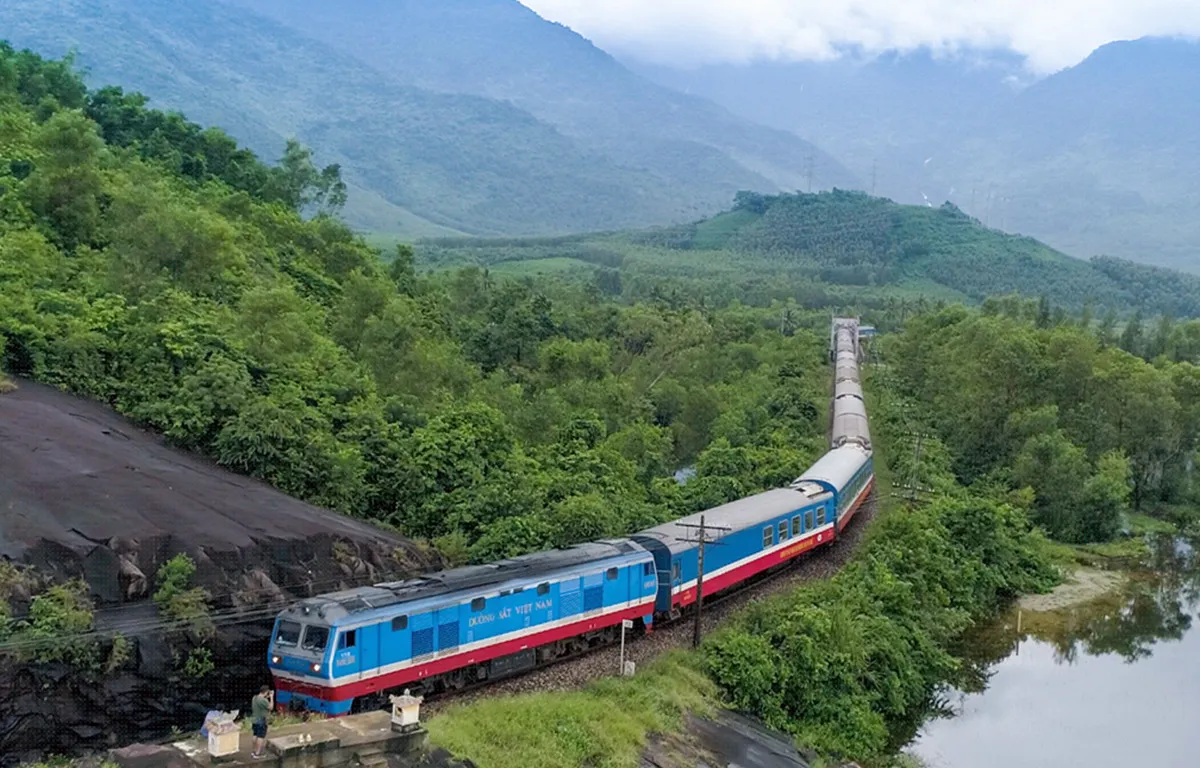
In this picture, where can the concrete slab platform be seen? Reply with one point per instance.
(317, 742)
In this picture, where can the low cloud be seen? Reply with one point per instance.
(1052, 34)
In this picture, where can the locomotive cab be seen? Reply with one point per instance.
(300, 647)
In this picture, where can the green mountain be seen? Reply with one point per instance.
(417, 160)
(1100, 158)
(845, 247)
(502, 50)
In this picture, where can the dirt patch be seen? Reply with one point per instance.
(1081, 586)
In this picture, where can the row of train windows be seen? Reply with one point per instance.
(769, 531)
(400, 623)
(852, 490)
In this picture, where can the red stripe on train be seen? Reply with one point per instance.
(745, 571)
(358, 688)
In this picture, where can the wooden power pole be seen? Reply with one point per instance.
(702, 537)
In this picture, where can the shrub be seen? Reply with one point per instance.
(180, 603)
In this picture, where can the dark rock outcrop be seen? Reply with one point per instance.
(726, 740)
(85, 493)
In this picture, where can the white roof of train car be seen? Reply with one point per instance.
(836, 467)
(736, 515)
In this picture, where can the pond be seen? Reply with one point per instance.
(1111, 682)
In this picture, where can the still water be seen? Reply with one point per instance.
(1111, 683)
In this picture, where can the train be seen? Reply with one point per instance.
(346, 651)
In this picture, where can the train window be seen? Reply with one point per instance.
(611, 574)
(796, 525)
(288, 634)
(315, 638)
(478, 603)
(518, 589)
(543, 588)
(676, 571)
(808, 520)
(820, 516)
(768, 536)
(349, 638)
(505, 592)
(400, 623)
(647, 569)
(783, 532)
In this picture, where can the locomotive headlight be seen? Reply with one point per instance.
(274, 659)
(316, 667)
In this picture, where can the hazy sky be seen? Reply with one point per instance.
(1052, 33)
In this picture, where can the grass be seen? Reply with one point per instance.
(7, 384)
(1140, 525)
(605, 725)
(1131, 547)
(277, 720)
(550, 266)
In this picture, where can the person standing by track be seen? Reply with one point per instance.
(260, 708)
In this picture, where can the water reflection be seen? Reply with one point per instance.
(1113, 682)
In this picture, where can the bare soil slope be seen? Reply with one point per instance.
(76, 474)
(86, 493)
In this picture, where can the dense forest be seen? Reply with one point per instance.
(993, 428)
(153, 265)
(834, 248)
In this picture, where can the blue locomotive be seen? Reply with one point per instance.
(347, 650)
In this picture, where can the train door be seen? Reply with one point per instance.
(676, 577)
(368, 649)
(394, 641)
(346, 658)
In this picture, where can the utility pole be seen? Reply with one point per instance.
(703, 539)
(912, 485)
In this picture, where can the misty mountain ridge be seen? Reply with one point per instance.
(502, 50)
(1097, 158)
(525, 149)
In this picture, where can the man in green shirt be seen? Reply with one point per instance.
(260, 707)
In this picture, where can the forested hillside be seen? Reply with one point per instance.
(156, 267)
(1099, 158)
(1024, 401)
(837, 248)
(418, 158)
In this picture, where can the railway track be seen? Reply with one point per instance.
(571, 672)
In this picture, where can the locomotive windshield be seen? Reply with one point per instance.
(315, 638)
(288, 634)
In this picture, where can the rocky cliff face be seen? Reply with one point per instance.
(86, 494)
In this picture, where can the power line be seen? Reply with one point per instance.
(285, 586)
(159, 624)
